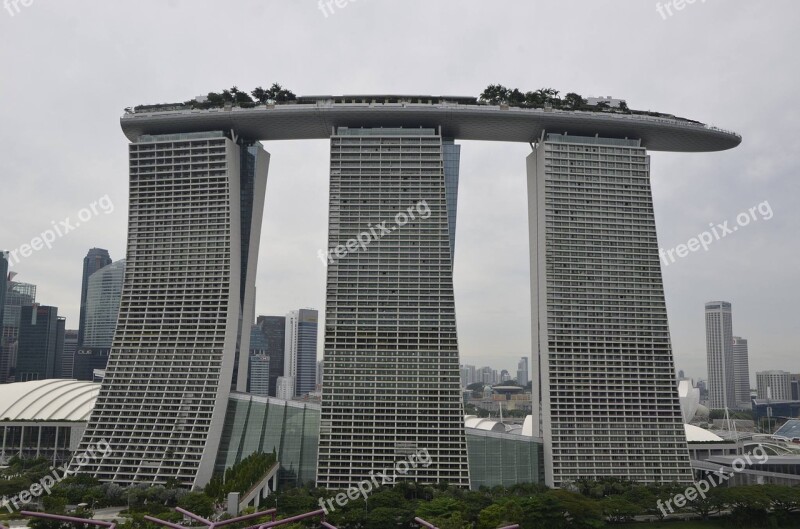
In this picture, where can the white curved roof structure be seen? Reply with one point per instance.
(48, 400)
(689, 398)
(490, 425)
(473, 421)
(695, 434)
(527, 426)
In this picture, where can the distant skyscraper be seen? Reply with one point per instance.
(4, 361)
(18, 295)
(273, 331)
(285, 389)
(702, 386)
(95, 259)
(774, 385)
(41, 342)
(523, 371)
(68, 356)
(795, 382)
(3, 286)
(258, 382)
(320, 370)
(505, 376)
(472, 375)
(464, 376)
(89, 359)
(741, 373)
(681, 374)
(103, 295)
(300, 352)
(258, 344)
(487, 375)
(719, 350)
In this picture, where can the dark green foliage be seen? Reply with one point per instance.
(584, 504)
(232, 97)
(241, 477)
(197, 502)
(275, 94)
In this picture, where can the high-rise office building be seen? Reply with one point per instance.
(258, 383)
(487, 375)
(392, 382)
(285, 389)
(89, 359)
(273, 332)
(18, 295)
(702, 387)
(300, 352)
(794, 381)
(719, 351)
(464, 376)
(258, 344)
(95, 259)
(505, 376)
(103, 295)
(774, 385)
(3, 286)
(68, 356)
(472, 374)
(604, 380)
(320, 372)
(741, 373)
(523, 372)
(41, 343)
(183, 333)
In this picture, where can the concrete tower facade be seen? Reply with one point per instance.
(604, 380)
(391, 352)
(181, 342)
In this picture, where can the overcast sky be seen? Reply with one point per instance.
(68, 69)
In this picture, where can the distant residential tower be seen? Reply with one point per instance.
(719, 351)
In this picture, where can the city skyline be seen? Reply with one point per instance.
(686, 201)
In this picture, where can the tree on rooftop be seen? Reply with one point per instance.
(276, 93)
(574, 101)
(495, 94)
(239, 96)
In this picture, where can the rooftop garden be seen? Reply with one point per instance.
(230, 97)
(494, 94)
(548, 98)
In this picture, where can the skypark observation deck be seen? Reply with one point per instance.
(316, 117)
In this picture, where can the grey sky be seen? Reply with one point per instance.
(69, 68)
